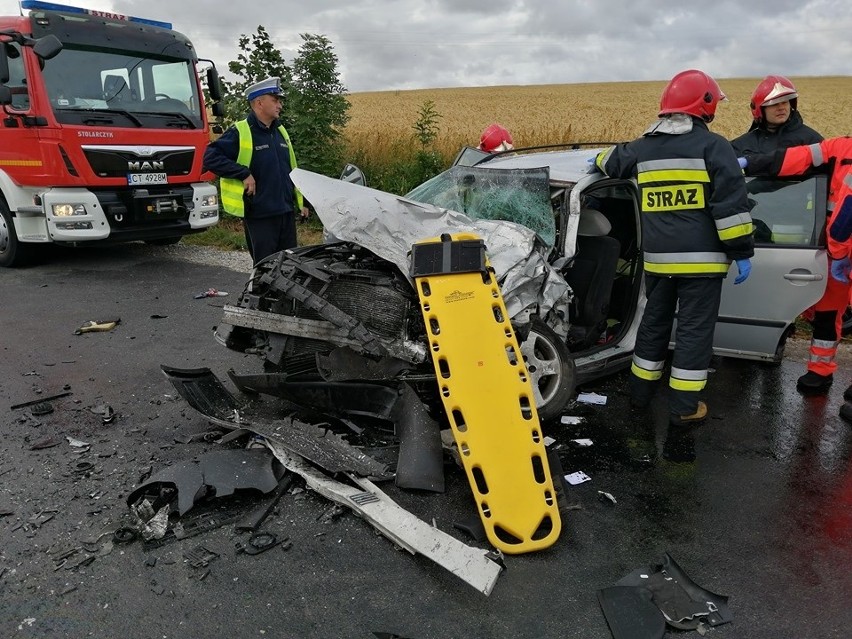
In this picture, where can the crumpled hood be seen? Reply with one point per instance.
(388, 225)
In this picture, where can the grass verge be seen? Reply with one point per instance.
(228, 234)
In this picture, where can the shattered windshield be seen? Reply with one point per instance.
(518, 195)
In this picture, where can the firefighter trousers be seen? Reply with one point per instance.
(696, 300)
(827, 325)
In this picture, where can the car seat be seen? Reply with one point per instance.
(590, 276)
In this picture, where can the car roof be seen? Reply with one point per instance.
(566, 165)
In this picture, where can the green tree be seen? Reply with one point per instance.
(426, 127)
(428, 161)
(258, 59)
(315, 109)
(319, 106)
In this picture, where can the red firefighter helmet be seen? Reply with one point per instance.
(773, 90)
(495, 138)
(693, 92)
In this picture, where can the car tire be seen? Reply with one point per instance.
(551, 370)
(12, 252)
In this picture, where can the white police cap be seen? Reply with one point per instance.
(269, 85)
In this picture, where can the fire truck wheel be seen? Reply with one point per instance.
(12, 252)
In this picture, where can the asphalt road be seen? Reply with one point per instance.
(756, 504)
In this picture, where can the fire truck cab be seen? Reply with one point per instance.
(102, 132)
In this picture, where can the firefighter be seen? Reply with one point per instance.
(695, 222)
(495, 138)
(835, 153)
(777, 122)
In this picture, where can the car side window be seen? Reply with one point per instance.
(788, 213)
(17, 77)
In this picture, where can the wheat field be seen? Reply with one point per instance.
(382, 122)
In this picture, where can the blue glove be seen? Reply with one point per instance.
(840, 270)
(743, 162)
(593, 168)
(744, 268)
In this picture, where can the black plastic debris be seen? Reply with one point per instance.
(253, 520)
(681, 603)
(631, 613)
(124, 535)
(47, 442)
(258, 543)
(472, 525)
(206, 394)
(203, 391)
(42, 408)
(200, 556)
(41, 400)
(218, 473)
(343, 364)
(421, 462)
(104, 411)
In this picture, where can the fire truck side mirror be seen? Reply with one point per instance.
(47, 47)
(5, 95)
(4, 64)
(214, 87)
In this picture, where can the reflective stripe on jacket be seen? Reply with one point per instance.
(836, 152)
(232, 189)
(695, 210)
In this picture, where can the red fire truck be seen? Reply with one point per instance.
(102, 133)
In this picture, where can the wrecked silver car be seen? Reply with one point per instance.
(565, 245)
(356, 292)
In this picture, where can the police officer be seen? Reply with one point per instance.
(695, 221)
(254, 158)
(777, 122)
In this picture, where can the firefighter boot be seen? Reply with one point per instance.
(697, 417)
(814, 383)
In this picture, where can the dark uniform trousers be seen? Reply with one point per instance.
(696, 300)
(268, 235)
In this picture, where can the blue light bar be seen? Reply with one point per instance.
(38, 5)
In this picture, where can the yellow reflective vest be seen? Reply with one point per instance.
(232, 190)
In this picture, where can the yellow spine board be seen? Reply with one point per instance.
(490, 405)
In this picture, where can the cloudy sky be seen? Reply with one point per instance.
(411, 44)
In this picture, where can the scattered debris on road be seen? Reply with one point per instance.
(98, 326)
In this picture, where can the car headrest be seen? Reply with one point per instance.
(593, 223)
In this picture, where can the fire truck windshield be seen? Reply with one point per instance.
(127, 89)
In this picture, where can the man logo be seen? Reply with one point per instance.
(154, 165)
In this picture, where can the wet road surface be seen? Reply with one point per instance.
(755, 504)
